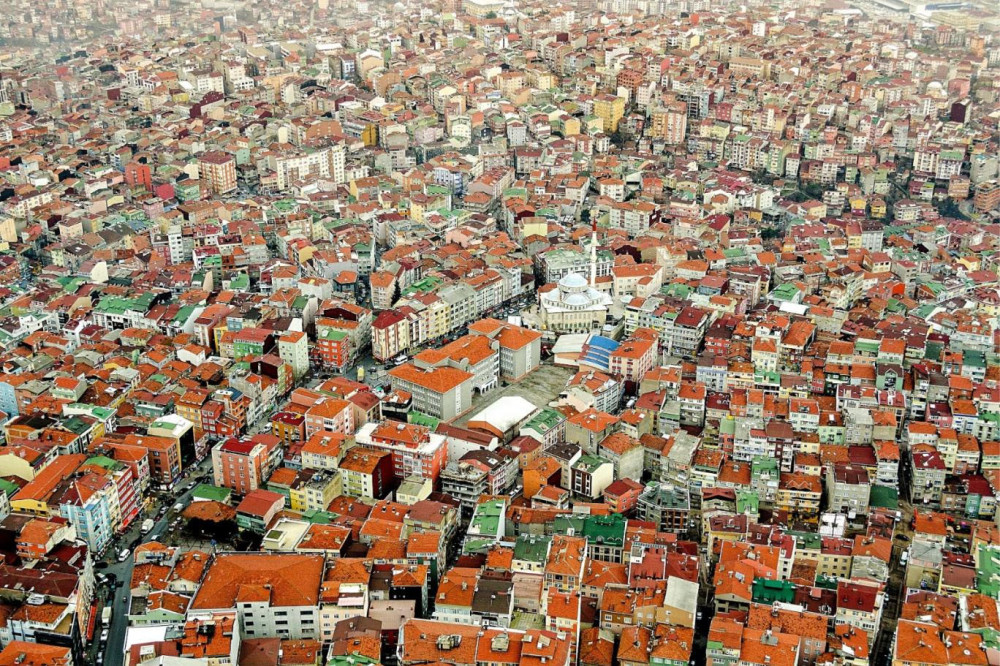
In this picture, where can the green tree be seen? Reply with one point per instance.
(813, 190)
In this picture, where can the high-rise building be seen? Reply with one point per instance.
(609, 109)
(669, 123)
(218, 170)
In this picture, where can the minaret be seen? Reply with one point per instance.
(593, 254)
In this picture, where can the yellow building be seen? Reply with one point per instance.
(878, 209)
(800, 495)
(417, 209)
(542, 79)
(218, 333)
(16, 463)
(481, 8)
(592, 125)
(8, 230)
(571, 126)
(316, 493)
(534, 226)
(610, 110)
(369, 135)
(835, 558)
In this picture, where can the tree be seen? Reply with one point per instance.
(949, 208)
(396, 292)
(813, 190)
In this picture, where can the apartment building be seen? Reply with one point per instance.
(245, 465)
(442, 392)
(275, 595)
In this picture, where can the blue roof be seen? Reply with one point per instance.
(597, 352)
(603, 343)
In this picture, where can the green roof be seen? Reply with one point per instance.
(747, 501)
(531, 548)
(241, 281)
(991, 636)
(867, 345)
(105, 462)
(924, 310)
(762, 464)
(934, 287)
(8, 487)
(988, 571)
(487, 517)
(768, 591)
(76, 425)
(477, 545)
(318, 517)
(677, 290)
(974, 358)
(115, 305)
(884, 497)
(785, 292)
(212, 493)
(606, 530)
(807, 540)
(568, 523)
(183, 314)
(589, 463)
(419, 418)
(332, 334)
(523, 620)
(427, 284)
(353, 659)
(827, 582)
(285, 205)
(99, 413)
(545, 420)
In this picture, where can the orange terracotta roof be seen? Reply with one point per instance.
(291, 579)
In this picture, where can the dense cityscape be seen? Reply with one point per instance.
(499, 333)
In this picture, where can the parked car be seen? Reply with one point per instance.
(122, 556)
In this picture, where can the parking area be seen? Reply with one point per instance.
(541, 387)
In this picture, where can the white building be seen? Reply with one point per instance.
(573, 306)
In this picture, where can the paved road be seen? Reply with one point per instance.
(115, 648)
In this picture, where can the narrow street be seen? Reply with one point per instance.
(114, 650)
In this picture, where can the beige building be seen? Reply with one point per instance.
(669, 123)
(573, 306)
(218, 170)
